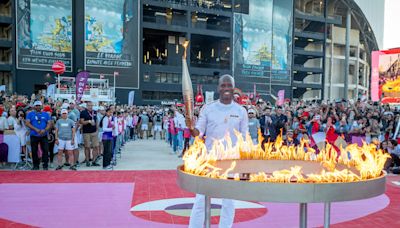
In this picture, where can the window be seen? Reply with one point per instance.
(146, 77)
(163, 77)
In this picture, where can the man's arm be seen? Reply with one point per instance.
(30, 126)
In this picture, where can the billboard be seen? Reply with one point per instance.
(385, 78)
(110, 39)
(263, 40)
(44, 34)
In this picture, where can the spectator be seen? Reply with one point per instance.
(65, 137)
(90, 136)
(107, 124)
(39, 123)
(254, 125)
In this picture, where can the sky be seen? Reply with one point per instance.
(391, 37)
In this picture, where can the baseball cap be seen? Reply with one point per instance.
(64, 111)
(47, 109)
(251, 111)
(37, 103)
(72, 102)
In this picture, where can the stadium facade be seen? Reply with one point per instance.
(309, 48)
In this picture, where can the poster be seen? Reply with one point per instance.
(385, 76)
(44, 34)
(110, 39)
(263, 40)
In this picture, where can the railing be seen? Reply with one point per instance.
(204, 25)
(162, 20)
(199, 3)
(101, 92)
(222, 65)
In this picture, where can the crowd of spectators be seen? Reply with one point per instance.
(46, 127)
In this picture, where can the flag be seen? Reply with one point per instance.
(81, 81)
(281, 97)
(101, 76)
(131, 98)
(209, 96)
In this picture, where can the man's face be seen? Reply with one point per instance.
(225, 90)
(89, 106)
(267, 112)
(278, 111)
(38, 108)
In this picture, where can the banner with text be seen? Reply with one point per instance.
(44, 34)
(262, 41)
(110, 39)
(81, 81)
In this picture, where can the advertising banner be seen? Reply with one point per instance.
(44, 33)
(110, 39)
(281, 97)
(386, 64)
(262, 40)
(131, 98)
(81, 81)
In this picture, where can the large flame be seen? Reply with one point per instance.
(361, 163)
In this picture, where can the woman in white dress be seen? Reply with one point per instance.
(21, 130)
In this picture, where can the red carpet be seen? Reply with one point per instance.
(159, 185)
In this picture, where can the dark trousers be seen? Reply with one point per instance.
(185, 145)
(44, 143)
(131, 131)
(51, 151)
(107, 153)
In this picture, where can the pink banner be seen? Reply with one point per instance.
(281, 97)
(81, 81)
(375, 76)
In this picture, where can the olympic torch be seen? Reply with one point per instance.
(187, 89)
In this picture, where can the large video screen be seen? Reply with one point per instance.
(110, 40)
(385, 79)
(263, 40)
(44, 33)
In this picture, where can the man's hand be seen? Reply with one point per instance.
(72, 142)
(57, 142)
(41, 132)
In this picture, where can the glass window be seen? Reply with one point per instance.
(157, 77)
(163, 78)
(146, 77)
(176, 78)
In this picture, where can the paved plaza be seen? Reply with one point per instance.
(142, 192)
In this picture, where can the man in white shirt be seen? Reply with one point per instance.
(215, 121)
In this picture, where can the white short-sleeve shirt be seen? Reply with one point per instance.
(216, 120)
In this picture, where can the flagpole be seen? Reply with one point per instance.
(114, 87)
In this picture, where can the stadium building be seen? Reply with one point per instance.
(309, 48)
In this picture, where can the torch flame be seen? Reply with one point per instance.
(360, 163)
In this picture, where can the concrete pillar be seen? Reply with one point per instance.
(347, 55)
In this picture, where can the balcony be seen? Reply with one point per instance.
(5, 66)
(211, 22)
(301, 68)
(164, 16)
(222, 5)
(5, 43)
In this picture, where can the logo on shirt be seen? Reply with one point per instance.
(234, 116)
